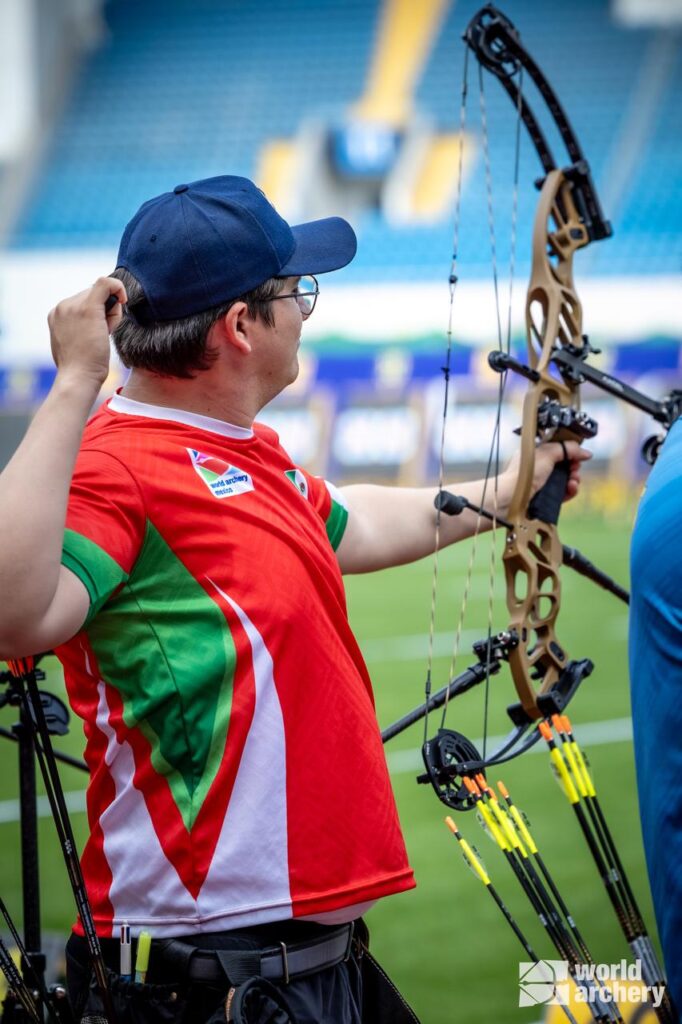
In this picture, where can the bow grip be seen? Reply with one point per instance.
(546, 505)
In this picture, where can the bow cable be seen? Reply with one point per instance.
(452, 283)
(504, 345)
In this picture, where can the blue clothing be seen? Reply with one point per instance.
(656, 684)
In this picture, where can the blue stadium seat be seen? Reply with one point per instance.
(182, 89)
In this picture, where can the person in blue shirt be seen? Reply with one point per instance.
(655, 650)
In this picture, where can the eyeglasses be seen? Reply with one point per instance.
(306, 294)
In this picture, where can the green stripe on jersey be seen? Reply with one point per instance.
(165, 645)
(336, 523)
(96, 570)
(338, 515)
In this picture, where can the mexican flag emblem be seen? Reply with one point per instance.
(298, 480)
(222, 479)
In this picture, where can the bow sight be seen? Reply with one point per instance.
(573, 367)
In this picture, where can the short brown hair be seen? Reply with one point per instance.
(179, 348)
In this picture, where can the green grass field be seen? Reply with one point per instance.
(445, 943)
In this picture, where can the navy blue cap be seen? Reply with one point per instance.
(212, 240)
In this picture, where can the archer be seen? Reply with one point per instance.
(189, 577)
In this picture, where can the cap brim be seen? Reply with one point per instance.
(321, 245)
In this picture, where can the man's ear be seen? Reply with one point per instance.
(236, 327)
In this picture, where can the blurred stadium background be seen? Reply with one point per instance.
(352, 107)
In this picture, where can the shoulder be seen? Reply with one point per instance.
(107, 431)
(266, 434)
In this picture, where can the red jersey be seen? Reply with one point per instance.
(237, 770)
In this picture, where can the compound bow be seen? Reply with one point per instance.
(568, 218)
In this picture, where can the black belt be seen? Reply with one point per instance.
(279, 963)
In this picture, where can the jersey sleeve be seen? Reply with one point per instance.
(105, 525)
(331, 505)
(325, 498)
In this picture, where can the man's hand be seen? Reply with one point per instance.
(547, 456)
(80, 329)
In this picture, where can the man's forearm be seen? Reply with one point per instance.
(396, 525)
(34, 490)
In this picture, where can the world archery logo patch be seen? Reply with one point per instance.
(298, 480)
(222, 479)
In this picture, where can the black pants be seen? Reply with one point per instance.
(330, 996)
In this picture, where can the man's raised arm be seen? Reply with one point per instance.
(43, 604)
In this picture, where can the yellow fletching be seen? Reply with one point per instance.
(508, 829)
(562, 770)
(591, 791)
(495, 832)
(467, 852)
(473, 860)
(567, 749)
(523, 829)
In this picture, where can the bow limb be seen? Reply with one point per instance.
(551, 411)
(569, 216)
